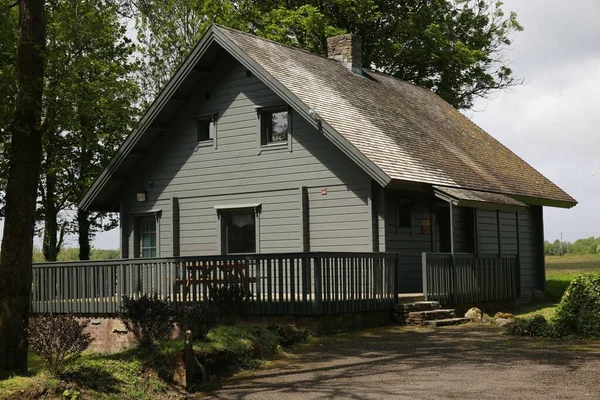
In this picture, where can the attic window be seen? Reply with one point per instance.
(274, 125)
(205, 128)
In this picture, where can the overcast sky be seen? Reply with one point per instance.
(553, 122)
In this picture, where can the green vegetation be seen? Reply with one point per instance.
(72, 254)
(560, 271)
(145, 373)
(585, 246)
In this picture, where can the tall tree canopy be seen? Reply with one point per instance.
(90, 106)
(453, 47)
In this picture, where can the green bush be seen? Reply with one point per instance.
(198, 318)
(232, 299)
(148, 318)
(58, 340)
(534, 326)
(578, 313)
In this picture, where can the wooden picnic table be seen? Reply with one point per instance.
(215, 273)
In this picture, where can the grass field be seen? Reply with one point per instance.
(560, 271)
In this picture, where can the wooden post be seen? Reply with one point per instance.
(424, 264)
(190, 361)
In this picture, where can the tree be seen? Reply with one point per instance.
(454, 47)
(21, 189)
(89, 108)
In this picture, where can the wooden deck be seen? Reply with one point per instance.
(280, 284)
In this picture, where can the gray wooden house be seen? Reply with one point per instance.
(258, 151)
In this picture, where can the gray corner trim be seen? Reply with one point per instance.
(237, 206)
(290, 127)
(220, 249)
(302, 109)
(175, 240)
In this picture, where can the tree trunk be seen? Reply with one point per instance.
(49, 247)
(83, 225)
(21, 189)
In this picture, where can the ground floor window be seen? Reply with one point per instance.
(146, 236)
(238, 231)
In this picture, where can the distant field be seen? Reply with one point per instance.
(561, 270)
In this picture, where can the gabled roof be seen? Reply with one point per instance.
(394, 130)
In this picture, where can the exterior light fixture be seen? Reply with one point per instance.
(140, 196)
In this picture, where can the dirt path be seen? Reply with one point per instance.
(408, 363)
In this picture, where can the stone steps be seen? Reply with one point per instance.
(423, 312)
(446, 322)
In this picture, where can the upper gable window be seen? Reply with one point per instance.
(205, 129)
(274, 125)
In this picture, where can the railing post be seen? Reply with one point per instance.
(396, 277)
(454, 285)
(318, 285)
(424, 271)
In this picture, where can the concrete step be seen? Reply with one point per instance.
(417, 306)
(431, 315)
(404, 298)
(446, 322)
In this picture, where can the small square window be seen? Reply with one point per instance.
(274, 125)
(404, 215)
(204, 129)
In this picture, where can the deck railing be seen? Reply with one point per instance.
(280, 284)
(467, 278)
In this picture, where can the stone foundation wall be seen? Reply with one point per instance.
(110, 335)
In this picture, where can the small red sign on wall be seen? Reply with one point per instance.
(324, 191)
(425, 227)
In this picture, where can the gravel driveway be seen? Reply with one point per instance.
(466, 362)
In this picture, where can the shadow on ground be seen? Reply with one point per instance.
(425, 363)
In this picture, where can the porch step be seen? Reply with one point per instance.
(446, 322)
(417, 306)
(404, 298)
(419, 317)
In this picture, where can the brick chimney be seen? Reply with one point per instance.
(346, 49)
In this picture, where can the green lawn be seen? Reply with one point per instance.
(139, 373)
(559, 273)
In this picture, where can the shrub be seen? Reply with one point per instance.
(149, 318)
(535, 326)
(289, 335)
(578, 313)
(58, 340)
(199, 318)
(232, 299)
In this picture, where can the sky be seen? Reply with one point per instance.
(553, 121)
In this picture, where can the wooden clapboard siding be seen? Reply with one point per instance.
(531, 238)
(408, 243)
(487, 232)
(239, 171)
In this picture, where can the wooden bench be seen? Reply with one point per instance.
(215, 273)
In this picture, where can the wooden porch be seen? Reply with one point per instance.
(280, 284)
(468, 278)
